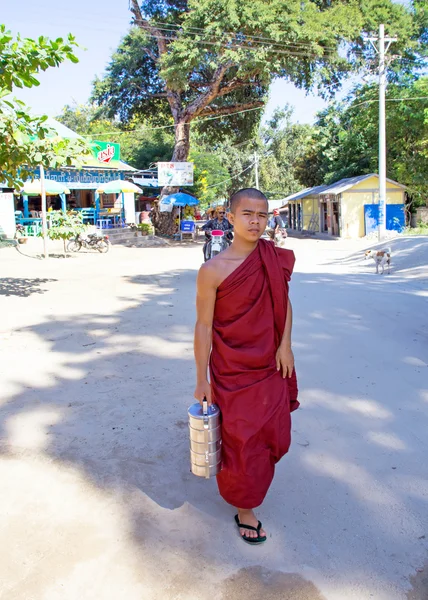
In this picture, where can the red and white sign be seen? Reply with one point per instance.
(106, 155)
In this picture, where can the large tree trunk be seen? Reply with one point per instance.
(164, 222)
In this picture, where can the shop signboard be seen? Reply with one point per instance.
(175, 173)
(105, 151)
(82, 179)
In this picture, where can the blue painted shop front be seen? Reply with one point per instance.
(82, 179)
(395, 219)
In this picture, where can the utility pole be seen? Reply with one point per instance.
(44, 217)
(381, 51)
(256, 164)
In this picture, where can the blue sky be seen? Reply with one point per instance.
(98, 27)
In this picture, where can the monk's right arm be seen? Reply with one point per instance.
(205, 301)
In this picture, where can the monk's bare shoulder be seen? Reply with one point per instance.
(210, 273)
(215, 270)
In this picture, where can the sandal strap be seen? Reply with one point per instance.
(250, 527)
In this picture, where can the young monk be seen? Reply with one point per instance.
(243, 331)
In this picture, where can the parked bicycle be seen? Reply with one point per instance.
(93, 241)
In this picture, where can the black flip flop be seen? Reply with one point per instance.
(260, 539)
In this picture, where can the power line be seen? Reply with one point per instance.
(234, 45)
(167, 27)
(240, 173)
(389, 100)
(196, 120)
(231, 177)
(304, 54)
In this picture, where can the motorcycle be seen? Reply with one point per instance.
(93, 241)
(217, 242)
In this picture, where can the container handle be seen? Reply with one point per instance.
(206, 427)
(205, 412)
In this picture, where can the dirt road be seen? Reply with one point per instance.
(97, 500)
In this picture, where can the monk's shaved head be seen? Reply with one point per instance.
(251, 193)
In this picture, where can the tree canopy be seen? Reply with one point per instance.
(187, 60)
(345, 138)
(140, 144)
(26, 141)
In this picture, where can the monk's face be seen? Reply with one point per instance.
(250, 219)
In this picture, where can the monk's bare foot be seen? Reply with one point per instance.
(248, 517)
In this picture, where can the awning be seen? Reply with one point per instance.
(146, 181)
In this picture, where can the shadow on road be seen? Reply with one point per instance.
(354, 477)
(17, 286)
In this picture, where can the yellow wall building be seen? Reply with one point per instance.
(347, 208)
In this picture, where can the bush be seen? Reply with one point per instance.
(146, 228)
(65, 225)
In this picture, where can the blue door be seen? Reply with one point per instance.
(371, 217)
(394, 217)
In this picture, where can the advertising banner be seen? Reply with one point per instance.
(106, 151)
(175, 173)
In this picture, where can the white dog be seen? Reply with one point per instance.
(381, 257)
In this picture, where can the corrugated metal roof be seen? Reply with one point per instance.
(345, 184)
(335, 188)
(306, 192)
(273, 204)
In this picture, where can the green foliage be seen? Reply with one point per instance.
(421, 229)
(186, 60)
(86, 119)
(140, 145)
(65, 225)
(145, 228)
(143, 148)
(211, 177)
(283, 146)
(345, 141)
(26, 141)
(224, 167)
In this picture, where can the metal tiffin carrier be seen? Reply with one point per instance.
(205, 439)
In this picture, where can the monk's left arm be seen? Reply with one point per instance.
(284, 355)
(286, 338)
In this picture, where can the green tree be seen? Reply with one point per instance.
(140, 144)
(282, 146)
(65, 226)
(211, 177)
(187, 60)
(25, 140)
(345, 141)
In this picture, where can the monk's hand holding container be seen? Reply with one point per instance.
(285, 360)
(203, 392)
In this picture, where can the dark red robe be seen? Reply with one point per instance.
(255, 400)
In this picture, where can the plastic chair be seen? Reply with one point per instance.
(88, 215)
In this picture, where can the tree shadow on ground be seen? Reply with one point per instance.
(17, 286)
(356, 468)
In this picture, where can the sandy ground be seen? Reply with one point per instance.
(97, 501)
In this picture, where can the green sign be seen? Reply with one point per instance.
(106, 151)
